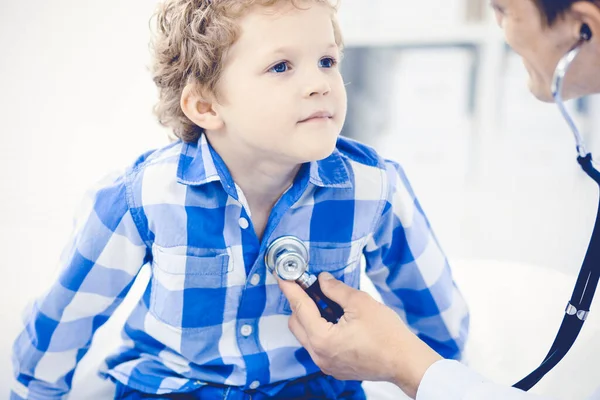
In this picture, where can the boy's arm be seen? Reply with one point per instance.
(409, 269)
(97, 270)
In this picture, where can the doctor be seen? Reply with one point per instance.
(371, 342)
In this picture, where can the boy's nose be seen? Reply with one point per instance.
(317, 85)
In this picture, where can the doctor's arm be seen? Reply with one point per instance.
(370, 342)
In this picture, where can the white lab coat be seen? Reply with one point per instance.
(451, 380)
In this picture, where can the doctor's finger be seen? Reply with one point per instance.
(293, 292)
(304, 308)
(338, 291)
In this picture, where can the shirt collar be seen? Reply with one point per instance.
(199, 164)
(330, 172)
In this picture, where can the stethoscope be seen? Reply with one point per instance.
(579, 306)
(288, 257)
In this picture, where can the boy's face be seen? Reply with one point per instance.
(281, 92)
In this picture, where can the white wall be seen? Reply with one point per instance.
(75, 102)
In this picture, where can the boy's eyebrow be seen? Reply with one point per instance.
(287, 50)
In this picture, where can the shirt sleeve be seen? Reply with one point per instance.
(451, 380)
(97, 269)
(410, 271)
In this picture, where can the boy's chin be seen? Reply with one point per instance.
(321, 150)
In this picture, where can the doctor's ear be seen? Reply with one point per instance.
(587, 17)
(199, 108)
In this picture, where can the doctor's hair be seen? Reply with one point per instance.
(190, 41)
(553, 9)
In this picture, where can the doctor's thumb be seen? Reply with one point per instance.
(326, 276)
(335, 290)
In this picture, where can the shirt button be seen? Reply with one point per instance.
(243, 223)
(255, 279)
(254, 385)
(246, 330)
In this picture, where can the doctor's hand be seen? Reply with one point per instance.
(370, 342)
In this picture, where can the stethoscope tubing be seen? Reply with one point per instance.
(587, 281)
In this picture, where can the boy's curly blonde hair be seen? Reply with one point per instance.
(190, 41)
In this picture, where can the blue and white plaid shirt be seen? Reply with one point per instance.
(212, 313)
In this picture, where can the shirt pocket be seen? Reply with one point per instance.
(188, 286)
(342, 261)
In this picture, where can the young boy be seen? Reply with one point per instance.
(253, 90)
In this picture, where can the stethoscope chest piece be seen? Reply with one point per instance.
(288, 257)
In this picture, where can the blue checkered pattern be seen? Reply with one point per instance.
(212, 313)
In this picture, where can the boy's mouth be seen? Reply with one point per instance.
(317, 116)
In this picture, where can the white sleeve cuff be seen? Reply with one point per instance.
(448, 380)
(451, 380)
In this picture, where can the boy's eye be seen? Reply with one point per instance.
(280, 68)
(327, 62)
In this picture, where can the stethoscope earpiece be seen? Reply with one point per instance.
(585, 33)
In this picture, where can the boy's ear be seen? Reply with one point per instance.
(199, 110)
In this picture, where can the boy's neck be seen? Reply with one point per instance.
(262, 187)
(262, 179)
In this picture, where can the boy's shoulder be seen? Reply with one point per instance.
(358, 152)
(364, 155)
(168, 154)
(367, 164)
(132, 173)
(155, 171)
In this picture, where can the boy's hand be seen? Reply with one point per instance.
(370, 342)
